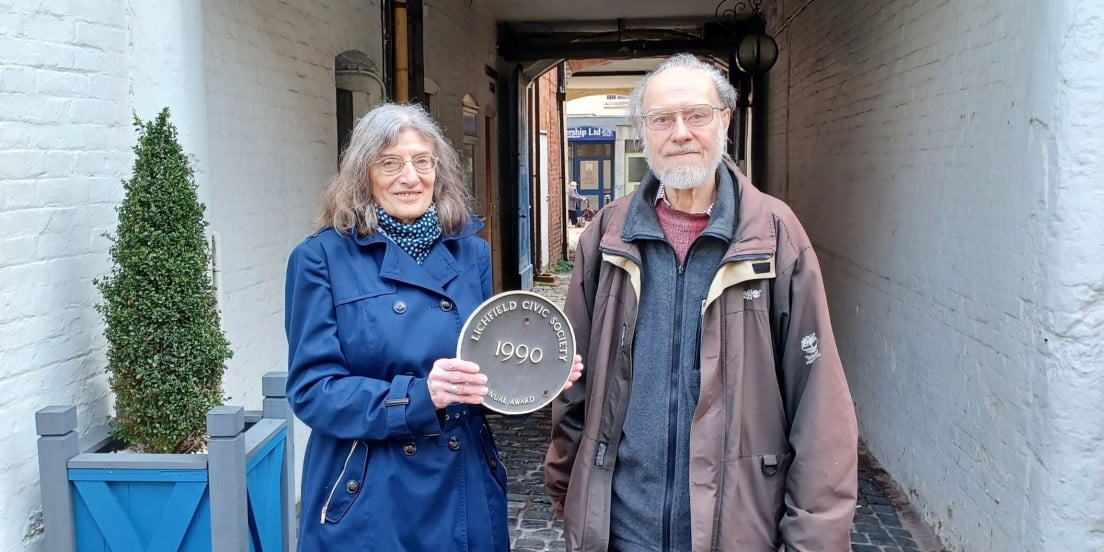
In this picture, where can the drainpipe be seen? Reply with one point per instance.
(216, 269)
(561, 98)
(734, 136)
(402, 52)
(415, 23)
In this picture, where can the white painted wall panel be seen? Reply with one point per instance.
(71, 77)
(459, 45)
(65, 139)
(273, 144)
(922, 145)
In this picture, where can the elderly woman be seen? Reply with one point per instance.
(400, 456)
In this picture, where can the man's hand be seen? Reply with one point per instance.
(576, 373)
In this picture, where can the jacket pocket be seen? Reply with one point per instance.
(755, 498)
(490, 455)
(347, 485)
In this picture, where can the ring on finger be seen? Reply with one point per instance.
(454, 389)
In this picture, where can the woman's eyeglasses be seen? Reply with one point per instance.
(392, 164)
(697, 115)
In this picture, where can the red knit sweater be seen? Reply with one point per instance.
(681, 229)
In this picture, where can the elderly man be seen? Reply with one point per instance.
(714, 413)
(574, 203)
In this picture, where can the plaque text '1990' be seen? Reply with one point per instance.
(507, 350)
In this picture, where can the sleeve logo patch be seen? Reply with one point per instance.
(811, 346)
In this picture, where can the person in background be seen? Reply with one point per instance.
(574, 203)
(714, 414)
(400, 456)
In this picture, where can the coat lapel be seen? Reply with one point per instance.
(435, 272)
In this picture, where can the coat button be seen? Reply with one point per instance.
(399, 306)
(446, 305)
(454, 443)
(409, 449)
(352, 486)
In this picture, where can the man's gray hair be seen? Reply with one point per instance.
(725, 90)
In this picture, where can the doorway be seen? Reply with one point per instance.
(592, 164)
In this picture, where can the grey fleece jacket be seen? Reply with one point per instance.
(650, 504)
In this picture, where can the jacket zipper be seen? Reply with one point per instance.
(672, 410)
(340, 476)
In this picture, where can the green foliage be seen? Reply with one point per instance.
(559, 267)
(166, 351)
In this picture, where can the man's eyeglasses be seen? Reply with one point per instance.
(694, 115)
(392, 164)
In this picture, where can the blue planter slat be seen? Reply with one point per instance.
(153, 509)
(263, 484)
(164, 502)
(122, 510)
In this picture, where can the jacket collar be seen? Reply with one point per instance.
(738, 204)
(642, 222)
(755, 229)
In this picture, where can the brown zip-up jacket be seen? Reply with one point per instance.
(773, 444)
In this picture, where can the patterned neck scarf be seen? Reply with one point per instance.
(416, 238)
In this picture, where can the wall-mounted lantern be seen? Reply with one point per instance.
(756, 53)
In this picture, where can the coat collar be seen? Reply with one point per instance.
(436, 270)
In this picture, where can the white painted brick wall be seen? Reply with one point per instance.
(1069, 147)
(460, 42)
(953, 201)
(273, 146)
(65, 146)
(65, 139)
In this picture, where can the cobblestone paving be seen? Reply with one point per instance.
(883, 520)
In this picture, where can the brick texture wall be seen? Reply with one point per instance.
(273, 140)
(65, 139)
(273, 145)
(65, 145)
(459, 46)
(551, 122)
(920, 144)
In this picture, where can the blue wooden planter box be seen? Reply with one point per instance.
(239, 496)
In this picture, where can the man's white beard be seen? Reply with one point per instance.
(684, 176)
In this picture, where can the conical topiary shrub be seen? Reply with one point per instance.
(166, 351)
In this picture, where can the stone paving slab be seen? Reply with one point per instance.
(883, 520)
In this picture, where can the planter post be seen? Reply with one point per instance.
(57, 443)
(274, 388)
(226, 479)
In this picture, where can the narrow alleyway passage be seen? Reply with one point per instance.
(883, 521)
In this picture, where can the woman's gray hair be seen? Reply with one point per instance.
(725, 91)
(348, 203)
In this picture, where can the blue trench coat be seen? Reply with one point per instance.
(383, 470)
